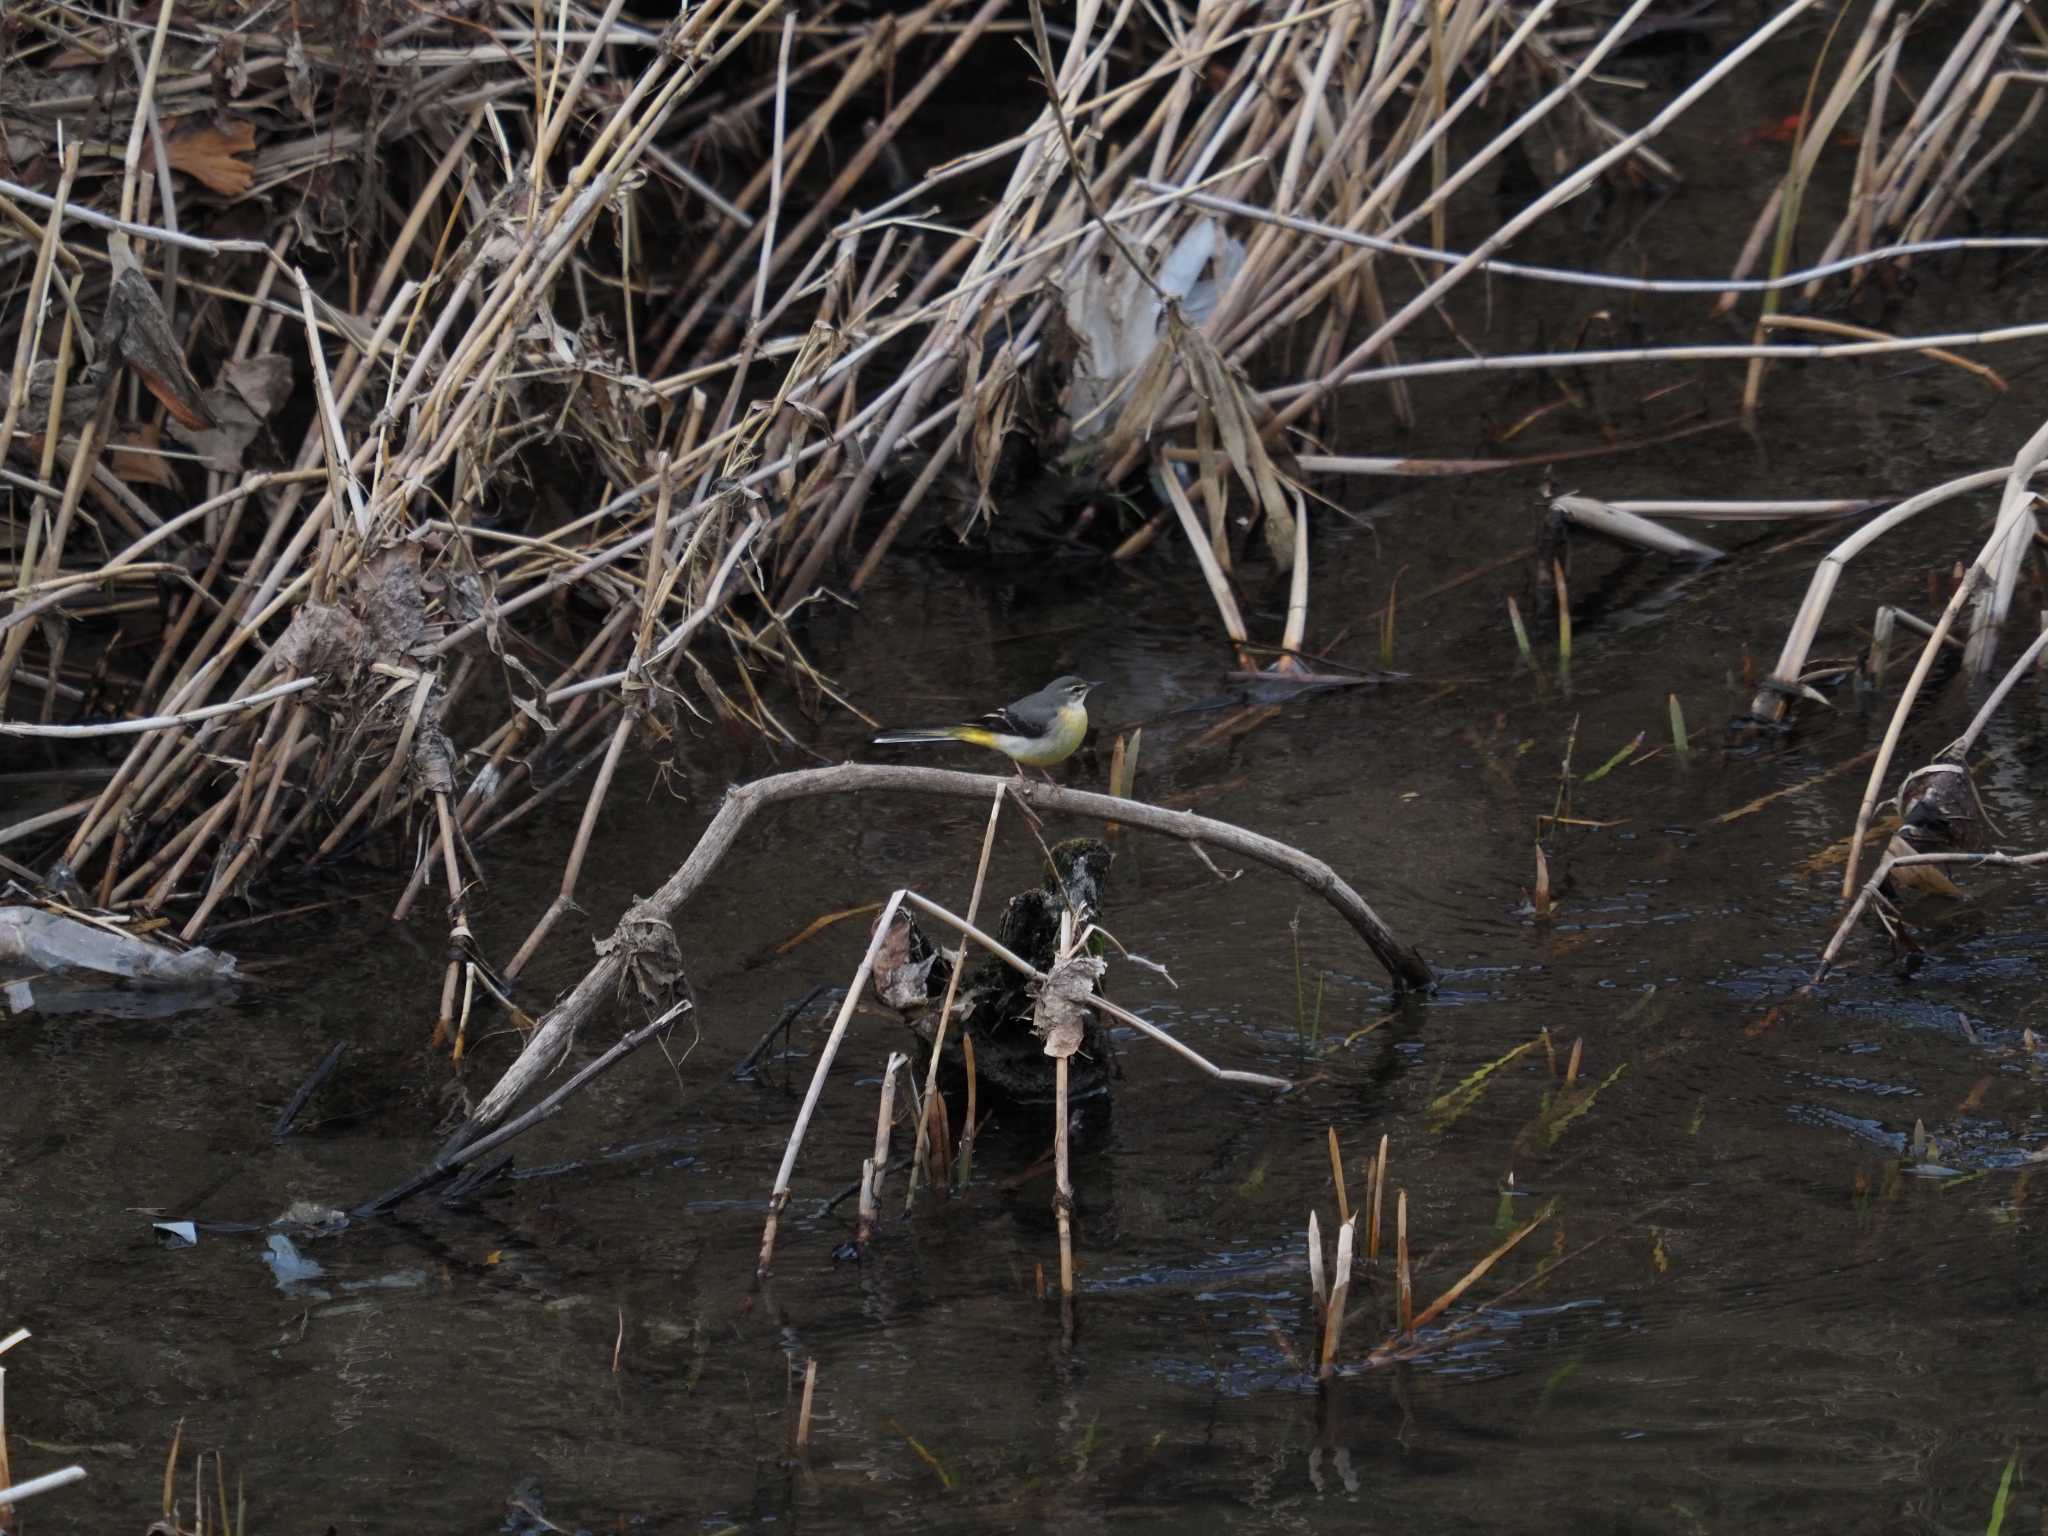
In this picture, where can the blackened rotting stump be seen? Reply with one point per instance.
(996, 1003)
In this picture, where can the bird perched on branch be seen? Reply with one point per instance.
(1036, 731)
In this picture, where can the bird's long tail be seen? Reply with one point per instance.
(924, 735)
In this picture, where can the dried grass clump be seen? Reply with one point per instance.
(410, 409)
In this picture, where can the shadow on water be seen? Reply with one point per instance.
(1795, 1315)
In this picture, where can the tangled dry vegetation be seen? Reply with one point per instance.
(411, 408)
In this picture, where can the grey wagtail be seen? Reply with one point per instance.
(1037, 731)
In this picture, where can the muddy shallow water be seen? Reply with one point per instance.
(1772, 1323)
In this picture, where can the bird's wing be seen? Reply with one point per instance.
(1031, 715)
(1006, 722)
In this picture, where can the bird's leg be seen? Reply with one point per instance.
(1023, 800)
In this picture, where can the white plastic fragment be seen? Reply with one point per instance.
(55, 945)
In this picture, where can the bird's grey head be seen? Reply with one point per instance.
(1069, 690)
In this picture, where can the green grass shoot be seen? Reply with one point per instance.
(1627, 751)
(1521, 635)
(2004, 1489)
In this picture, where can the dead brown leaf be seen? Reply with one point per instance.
(144, 468)
(221, 445)
(135, 331)
(251, 388)
(902, 979)
(389, 600)
(324, 639)
(1062, 1003)
(264, 381)
(208, 155)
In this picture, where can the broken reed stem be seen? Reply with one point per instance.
(803, 1412)
(1404, 1278)
(1883, 872)
(1098, 1003)
(874, 1169)
(1340, 1294)
(931, 1076)
(1773, 700)
(1063, 1183)
(452, 1158)
(963, 1163)
(2015, 522)
(1316, 1285)
(655, 586)
(1374, 109)
(779, 1196)
(1337, 1178)
(1478, 1271)
(1063, 1201)
(1379, 1190)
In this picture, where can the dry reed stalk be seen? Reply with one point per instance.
(591, 993)
(1101, 1005)
(779, 1196)
(655, 585)
(833, 343)
(877, 1166)
(931, 1076)
(1379, 1191)
(1630, 528)
(1953, 758)
(803, 1412)
(1478, 1271)
(963, 1160)
(1063, 1179)
(11, 1492)
(452, 1159)
(1986, 580)
(1892, 862)
(1773, 701)
(1340, 1293)
(1337, 1178)
(332, 558)
(1403, 1278)
(1316, 1286)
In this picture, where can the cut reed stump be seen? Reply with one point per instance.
(652, 915)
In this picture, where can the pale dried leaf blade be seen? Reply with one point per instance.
(1209, 479)
(1141, 405)
(994, 417)
(1062, 1003)
(298, 73)
(1226, 393)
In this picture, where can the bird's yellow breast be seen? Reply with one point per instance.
(1069, 725)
